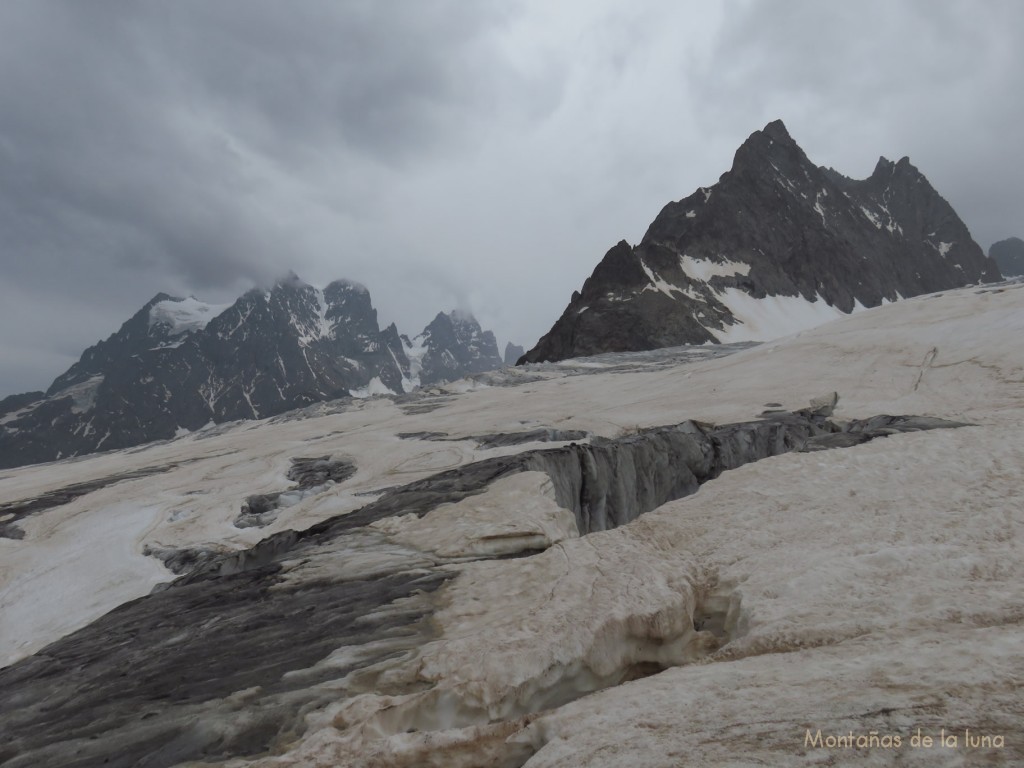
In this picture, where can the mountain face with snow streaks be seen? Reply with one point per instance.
(452, 345)
(776, 246)
(179, 364)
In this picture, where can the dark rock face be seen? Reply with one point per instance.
(12, 403)
(512, 353)
(1008, 254)
(179, 364)
(774, 225)
(453, 345)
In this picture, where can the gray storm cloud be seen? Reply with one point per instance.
(443, 153)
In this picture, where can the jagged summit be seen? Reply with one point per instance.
(453, 344)
(772, 144)
(885, 169)
(179, 363)
(773, 132)
(777, 131)
(777, 245)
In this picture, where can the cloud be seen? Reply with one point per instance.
(933, 80)
(149, 134)
(444, 153)
(190, 145)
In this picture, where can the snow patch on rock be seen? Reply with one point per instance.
(184, 315)
(657, 283)
(374, 387)
(704, 269)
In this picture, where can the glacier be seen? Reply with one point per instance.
(877, 587)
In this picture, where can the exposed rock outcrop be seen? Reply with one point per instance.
(1009, 255)
(512, 353)
(453, 345)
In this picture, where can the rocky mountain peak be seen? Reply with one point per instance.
(349, 308)
(777, 245)
(883, 168)
(617, 266)
(771, 147)
(776, 131)
(179, 363)
(452, 345)
(146, 329)
(1009, 255)
(512, 353)
(442, 320)
(454, 327)
(886, 171)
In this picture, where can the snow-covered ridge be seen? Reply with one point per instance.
(184, 315)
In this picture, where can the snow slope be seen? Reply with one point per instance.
(878, 588)
(772, 317)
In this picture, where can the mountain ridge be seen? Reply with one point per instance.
(778, 241)
(178, 364)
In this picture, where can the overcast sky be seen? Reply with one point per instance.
(445, 153)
